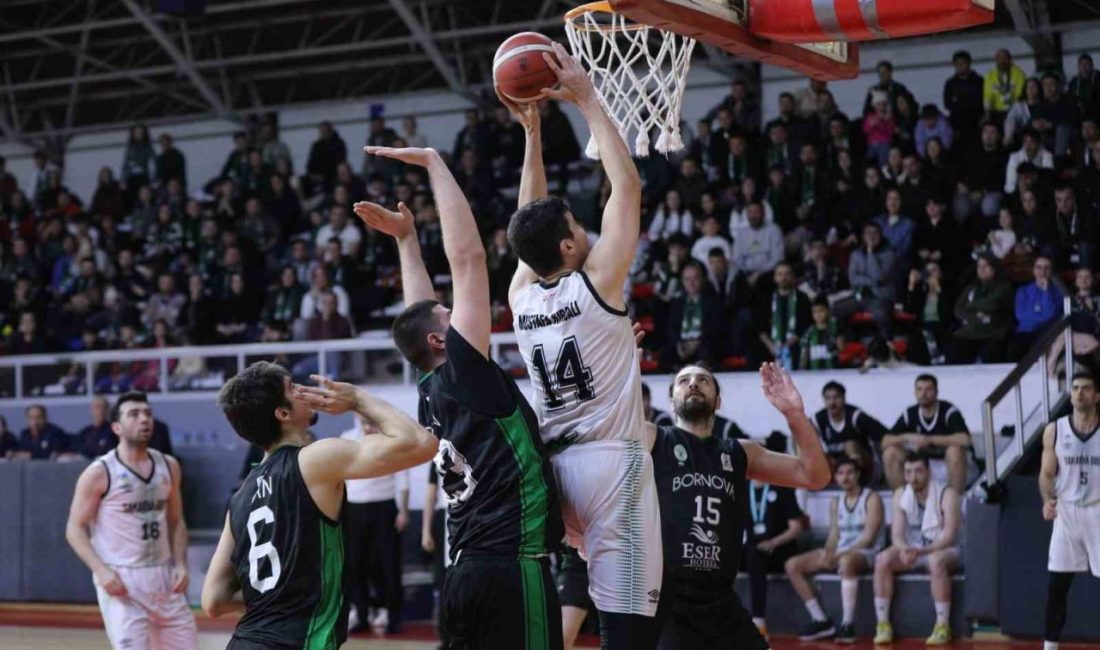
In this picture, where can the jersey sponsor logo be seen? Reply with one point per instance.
(727, 463)
(536, 321)
(702, 556)
(144, 506)
(710, 481)
(456, 475)
(704, 536)
(680, 453)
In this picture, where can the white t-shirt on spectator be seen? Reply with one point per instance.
(374, 490)
(1043, 160)
(665, 225)
(739, 220)
(349, 238)
(343, 306)
(756, 250)
(701, 249)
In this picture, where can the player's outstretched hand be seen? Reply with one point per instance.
(332, 397)
(180, 580)
(575, 86)
(111, 583)
(526, 113)
(399, 225)
(411, 155)
(1050, 510)
(780, 390)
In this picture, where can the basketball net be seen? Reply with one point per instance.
(639, 72)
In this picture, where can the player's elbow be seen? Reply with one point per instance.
(470, 257)
(213, 605)
(421, 447)
(818, 476)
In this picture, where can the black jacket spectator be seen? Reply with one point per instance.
(170, 162)
(695, 323)
(985, 163)
(326, 153)
(962, 97)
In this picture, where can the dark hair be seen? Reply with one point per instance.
(703, 365)
(820, 301)
(930, 378)
(885, 64)
(249, 401)
(961, 54)
(1084, 374)
(536, 231)
(35, 406)
(716, 252)
(913, 457)
(131, 396)
(1085, 56)
(411, 330)
(1029, 132)
(847, 460)
(786, 95)
(776, 442)
(678, 239)
(834, 385)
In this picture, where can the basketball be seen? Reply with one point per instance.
(519, 70)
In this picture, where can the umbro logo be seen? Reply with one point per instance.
(654, 595)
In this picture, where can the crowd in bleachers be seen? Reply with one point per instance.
(938, 230)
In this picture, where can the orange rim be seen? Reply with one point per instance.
(602, 7)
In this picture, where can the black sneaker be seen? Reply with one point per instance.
(818, 630)
(846, 633)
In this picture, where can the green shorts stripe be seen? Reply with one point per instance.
(534, 604)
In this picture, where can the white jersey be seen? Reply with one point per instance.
(583, 361)
(1078, 455)
(131, 527)
(852, 522)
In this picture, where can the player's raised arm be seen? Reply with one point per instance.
(470, 314)
(220, 587)
(609, 262)
(401, 225)
(808, 468)
(532, 181)
(90, 488)
(401, 444)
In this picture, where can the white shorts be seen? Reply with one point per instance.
(612, 516)
(1075, 542)
(150, 616)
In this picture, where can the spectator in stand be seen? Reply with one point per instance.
(781, 316)
(984, 310)
(198, 319)
(931, 428)
(691, 184)
(340, 227)
(710, 238)
(256, 177)
(327, 324)
(1032, 152)
(1069, 237)
(779, 149)
(28, 338)
(502, 266)
(738, 218)
(273, 151)
(758, 248)
(108, 198)
(879, 128)
(138, 161)
(41, 440)
(1020, 114)
(871, 274)
(260, 228)
(1055, 118)
(846, 431)
(962, 97)
(896, 227)
(236, 319)
(984, 170)
(1085, 88)
(821, 343)
(667, 272)
(932, 124)
(166, 304)
(809, 186)
(410, 135)
(695, 325)
(319, 285)
(1084, 325)
(326, 152)
(821, 278)
(740, 163)
(8, 184)
(730, 286)
(929, 298)
(906, 116)
(799, 131)
(1038, 304)
(1002, 240)
(508, 142)
(284, 299)
(236, 163)
(743, 108)
(559, 141)
(1003, 86)
(1084, 154)
(163, 239)
(938, 238)
(97, 438)
(170, 162)
(887, 85)
(475, 135)
(9, 443)
(808, 101)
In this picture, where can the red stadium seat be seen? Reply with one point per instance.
(735, 363)
(904, 317)
(642, 292)
(901, 346)
(852, 354)
(646, 324)
(861, 318)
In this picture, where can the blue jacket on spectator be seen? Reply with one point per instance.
(1036, 307)
(899, 234)
(51, 441)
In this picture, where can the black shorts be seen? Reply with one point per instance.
(573, 582)
(489, 602)
(704, 616)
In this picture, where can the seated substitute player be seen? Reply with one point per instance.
(576, 340)
(846, 431)
(1069, 483)
(855, 535)
(283, 542)
(934, 429)
(925, 535)
(502, 506)
(126, 524)
(702, 482)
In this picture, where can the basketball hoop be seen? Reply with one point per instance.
(639, 72)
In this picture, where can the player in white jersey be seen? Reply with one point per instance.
(1069, 483)
(126, 524)
(855, 535)
(570, 320)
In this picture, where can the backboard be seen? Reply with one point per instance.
(722, 23)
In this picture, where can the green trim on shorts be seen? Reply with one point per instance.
(535, 617)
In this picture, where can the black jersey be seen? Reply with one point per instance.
(496, 474)
(857, 426)
(289, 558)
(701, 486)
(946, 421)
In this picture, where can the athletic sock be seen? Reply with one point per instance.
(849, 589)
(882, 609)
(943, 611)
(1050, 645)
(814, 608)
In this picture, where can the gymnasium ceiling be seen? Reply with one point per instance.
(69, 66)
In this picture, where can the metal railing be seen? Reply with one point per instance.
(1000, 462)
(84, 369)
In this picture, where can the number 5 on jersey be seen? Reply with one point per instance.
(570, 374)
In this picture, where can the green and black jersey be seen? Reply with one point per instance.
(289, 559)
(495, 471)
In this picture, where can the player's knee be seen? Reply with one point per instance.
(846, 567)
(883, 561)
(937, 564)
(791, 566)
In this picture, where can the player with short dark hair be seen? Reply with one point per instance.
(847, 431)
(283, 542)
(933, 428)
(503, 513)
(702, 482)
(1069, 483)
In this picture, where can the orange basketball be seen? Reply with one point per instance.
(519, 70)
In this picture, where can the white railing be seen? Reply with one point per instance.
(13, 369)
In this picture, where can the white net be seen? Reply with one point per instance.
(639, 73)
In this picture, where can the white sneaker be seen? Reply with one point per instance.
(353, 618)
(381, 618)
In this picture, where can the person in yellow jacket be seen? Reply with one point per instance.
(1004, 84)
